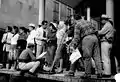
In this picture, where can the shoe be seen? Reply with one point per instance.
(22, 72)
(46, 68)
(104, 75)
(99, 75)
(52, 72)
(59, 71)
(86, 76)
(70, 74)
(30, 74)
(12, 69)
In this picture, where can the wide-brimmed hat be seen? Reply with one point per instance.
(104, 16)
(31, 24)
(55, 25)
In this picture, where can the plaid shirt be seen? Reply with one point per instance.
(82, 29)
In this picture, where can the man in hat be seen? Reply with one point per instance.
(107, 34)
(32, 34)
(27, 60)
(41, 38)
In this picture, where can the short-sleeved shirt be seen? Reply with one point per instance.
(27, 55)
(14, 39)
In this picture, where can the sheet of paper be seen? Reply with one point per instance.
(75, 56)
(40, 56)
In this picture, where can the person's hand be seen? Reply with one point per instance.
(70, 49)
(45, 39)
(48, 40)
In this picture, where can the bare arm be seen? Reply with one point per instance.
(39, 35)
(4, 38)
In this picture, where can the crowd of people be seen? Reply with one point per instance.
(47, 48)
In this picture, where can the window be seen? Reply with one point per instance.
(56, 11)
(69, 11)
(0, 3)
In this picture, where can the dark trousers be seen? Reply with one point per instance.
(91, 49)
(77, 65)
(5, 58)
(50, 54)
(73, 66)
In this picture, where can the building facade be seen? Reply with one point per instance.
(23, 12)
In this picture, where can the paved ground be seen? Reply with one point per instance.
(62, 75)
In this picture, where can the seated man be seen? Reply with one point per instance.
(27, 61)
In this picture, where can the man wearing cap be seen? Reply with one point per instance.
(27, 60)
(41, 38)
(107, 34)
(32, 34)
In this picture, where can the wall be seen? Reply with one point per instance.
(63, 13)
(20, 12)
(50, 7)
(49, 10)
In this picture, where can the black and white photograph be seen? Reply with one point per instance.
(59, 41)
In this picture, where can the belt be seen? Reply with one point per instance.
(23, 60)
(88, 35)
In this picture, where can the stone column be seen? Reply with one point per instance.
(59, 11)
(110, 13)
(88, 13)
(110, 8)
(41, 11)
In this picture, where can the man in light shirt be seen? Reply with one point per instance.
(41, 38)
(32, 34)
(27, 61)
(107, 34)
(6, 40)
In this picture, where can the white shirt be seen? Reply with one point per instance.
(31, 37)
(7, 38)
(14, 39)
(60, 33)
(39, 35)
